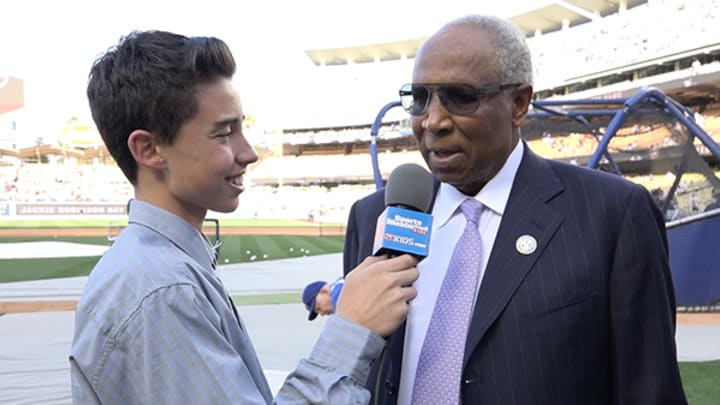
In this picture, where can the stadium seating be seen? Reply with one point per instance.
(328, 159)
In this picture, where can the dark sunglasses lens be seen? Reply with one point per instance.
(459, 99)
(420, 99)
(414, 98)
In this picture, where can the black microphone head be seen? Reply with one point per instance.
(409, 186)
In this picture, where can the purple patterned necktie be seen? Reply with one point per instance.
(437, 379)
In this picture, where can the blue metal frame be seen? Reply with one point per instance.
(693, 259)
(670, 106)
(625, 106)
(374, 129)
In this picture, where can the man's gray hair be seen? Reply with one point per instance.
(513, 53)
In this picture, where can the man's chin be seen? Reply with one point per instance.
(453, 178)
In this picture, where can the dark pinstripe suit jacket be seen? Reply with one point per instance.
(588, 318)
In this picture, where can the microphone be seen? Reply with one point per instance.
(404, 226)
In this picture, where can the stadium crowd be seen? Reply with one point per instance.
(625, 38)
(321, 187)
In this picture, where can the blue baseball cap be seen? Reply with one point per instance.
(311, 291)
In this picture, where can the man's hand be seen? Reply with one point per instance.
(377, 292)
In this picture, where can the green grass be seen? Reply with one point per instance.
(234, 249)
(701, 381)
(41, 269)
(268, 299)
(247, 248)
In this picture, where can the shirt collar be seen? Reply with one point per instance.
(175, 229)
(493, 196)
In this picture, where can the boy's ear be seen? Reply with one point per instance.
(144, 149)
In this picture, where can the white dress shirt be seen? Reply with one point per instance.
(448, 225)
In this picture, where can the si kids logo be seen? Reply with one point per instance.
(415, 225)
(405, 240)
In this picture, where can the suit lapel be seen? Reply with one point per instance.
(527, 213)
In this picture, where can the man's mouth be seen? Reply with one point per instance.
(444, 157)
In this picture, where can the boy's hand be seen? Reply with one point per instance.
(376, 293)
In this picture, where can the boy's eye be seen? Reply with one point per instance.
(227, 131)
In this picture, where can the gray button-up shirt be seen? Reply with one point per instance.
(155, 325)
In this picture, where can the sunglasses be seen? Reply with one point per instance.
(457, 98)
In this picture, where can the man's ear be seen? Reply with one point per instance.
(522, 96)
(144, 149)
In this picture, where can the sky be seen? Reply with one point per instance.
(52, 44)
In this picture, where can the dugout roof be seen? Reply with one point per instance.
(547, 16)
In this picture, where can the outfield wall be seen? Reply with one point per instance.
(13, 210)
(10, 211)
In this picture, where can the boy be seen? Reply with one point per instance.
(154, 323)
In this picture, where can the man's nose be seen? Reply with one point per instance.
(437, 117)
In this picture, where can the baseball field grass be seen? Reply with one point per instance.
(700, 380)
(241, 241)
(234, 249)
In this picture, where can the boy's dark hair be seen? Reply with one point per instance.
(148, 81)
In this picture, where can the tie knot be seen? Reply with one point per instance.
(471, 208)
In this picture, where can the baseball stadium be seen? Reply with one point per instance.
(613, 92)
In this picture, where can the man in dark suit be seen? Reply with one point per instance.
(574, 301)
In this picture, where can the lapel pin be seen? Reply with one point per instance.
(526, 244)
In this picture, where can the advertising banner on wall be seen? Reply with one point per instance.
(59, 209)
